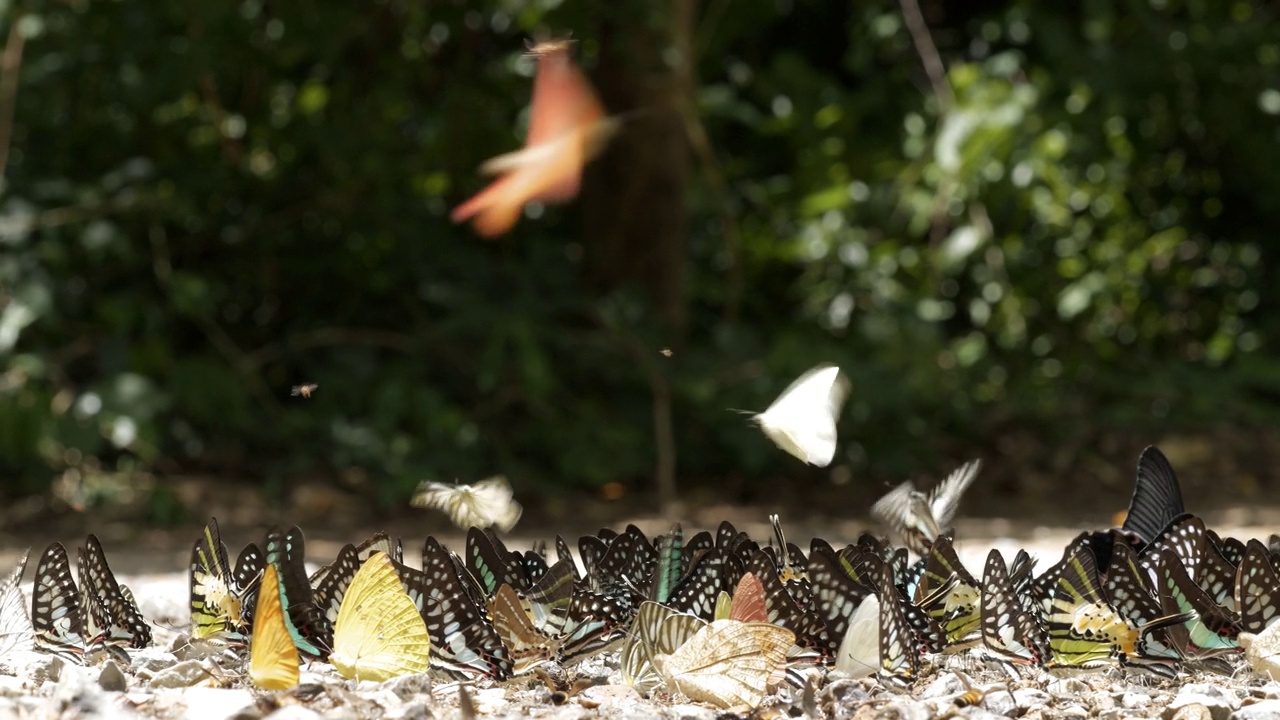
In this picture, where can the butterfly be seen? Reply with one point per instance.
(463, 640)
(529, 647)
(899, 650)
(859, 652)
(217, 599)
(1157, 497)
(273, 656)
(1008, 629)
(1257, 589)
(919, 518)
(108, 614)
(802, 420)
(1207, 630)
(303, 390)
(727, 663)
(958, 610)
(16, 633)
(657, 629)
(311, 630)
(379, 633)
(488, 502)
(55, 606)
(567, 128)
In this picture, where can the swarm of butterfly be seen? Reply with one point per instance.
(715, 617)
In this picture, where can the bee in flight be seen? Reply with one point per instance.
(303, 390)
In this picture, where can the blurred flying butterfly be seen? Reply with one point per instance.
(55, 606)
(379, 633)
(802, 420)
(273, 656)
(16, 632)
(567, 128)
(303, 390)
(488, 502)
(109, 615)
(727, 663)
(918, 518)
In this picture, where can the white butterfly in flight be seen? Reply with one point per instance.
(802, 420)
(488, 502)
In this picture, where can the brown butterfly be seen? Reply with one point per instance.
(303, 390)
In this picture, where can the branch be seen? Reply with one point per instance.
(10, 64)
(928, 52)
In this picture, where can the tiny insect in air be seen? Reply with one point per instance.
(665, 352)
(303, 390)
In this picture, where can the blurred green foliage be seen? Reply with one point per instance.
(206, 204)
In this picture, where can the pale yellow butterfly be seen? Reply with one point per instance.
(379, 633)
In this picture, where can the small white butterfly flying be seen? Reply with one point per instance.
(488, 502)
(802, 420)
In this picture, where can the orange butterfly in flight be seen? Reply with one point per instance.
(567, 128)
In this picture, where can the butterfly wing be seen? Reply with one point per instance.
(55, 606)
(273, 658)
(727, 663)
(16, 632)
(802, 420)
(379, 633)
(859, 652)
(944, 500)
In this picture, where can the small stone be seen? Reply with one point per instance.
(1192, 711)
(908, 710)
(183, 674)
(1262, 651)
(1074, 711)
(151, 660)
(45, 668)
(607, 696)
(1263, 710)
(1131, 700)
(407, 687)
(206, 703)
(1215, 705)
(294, 712)
(111, 678)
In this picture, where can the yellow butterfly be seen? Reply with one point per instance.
(273, 658)
(379, 633)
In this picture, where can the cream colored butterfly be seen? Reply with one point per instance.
(379, 633)
(802, 420)
(859, 653)
(728, 663)
(488, 502)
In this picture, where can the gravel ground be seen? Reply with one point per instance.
(168, 680)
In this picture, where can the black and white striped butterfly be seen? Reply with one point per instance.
(109, 616)
(55, 606)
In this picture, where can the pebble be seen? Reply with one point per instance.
(407, 687)
(183, 674)
(112, 678)
(1262, 651)
(205, 703)
(1215, 705)
(1264, 710)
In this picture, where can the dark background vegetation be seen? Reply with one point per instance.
(1047, 242)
